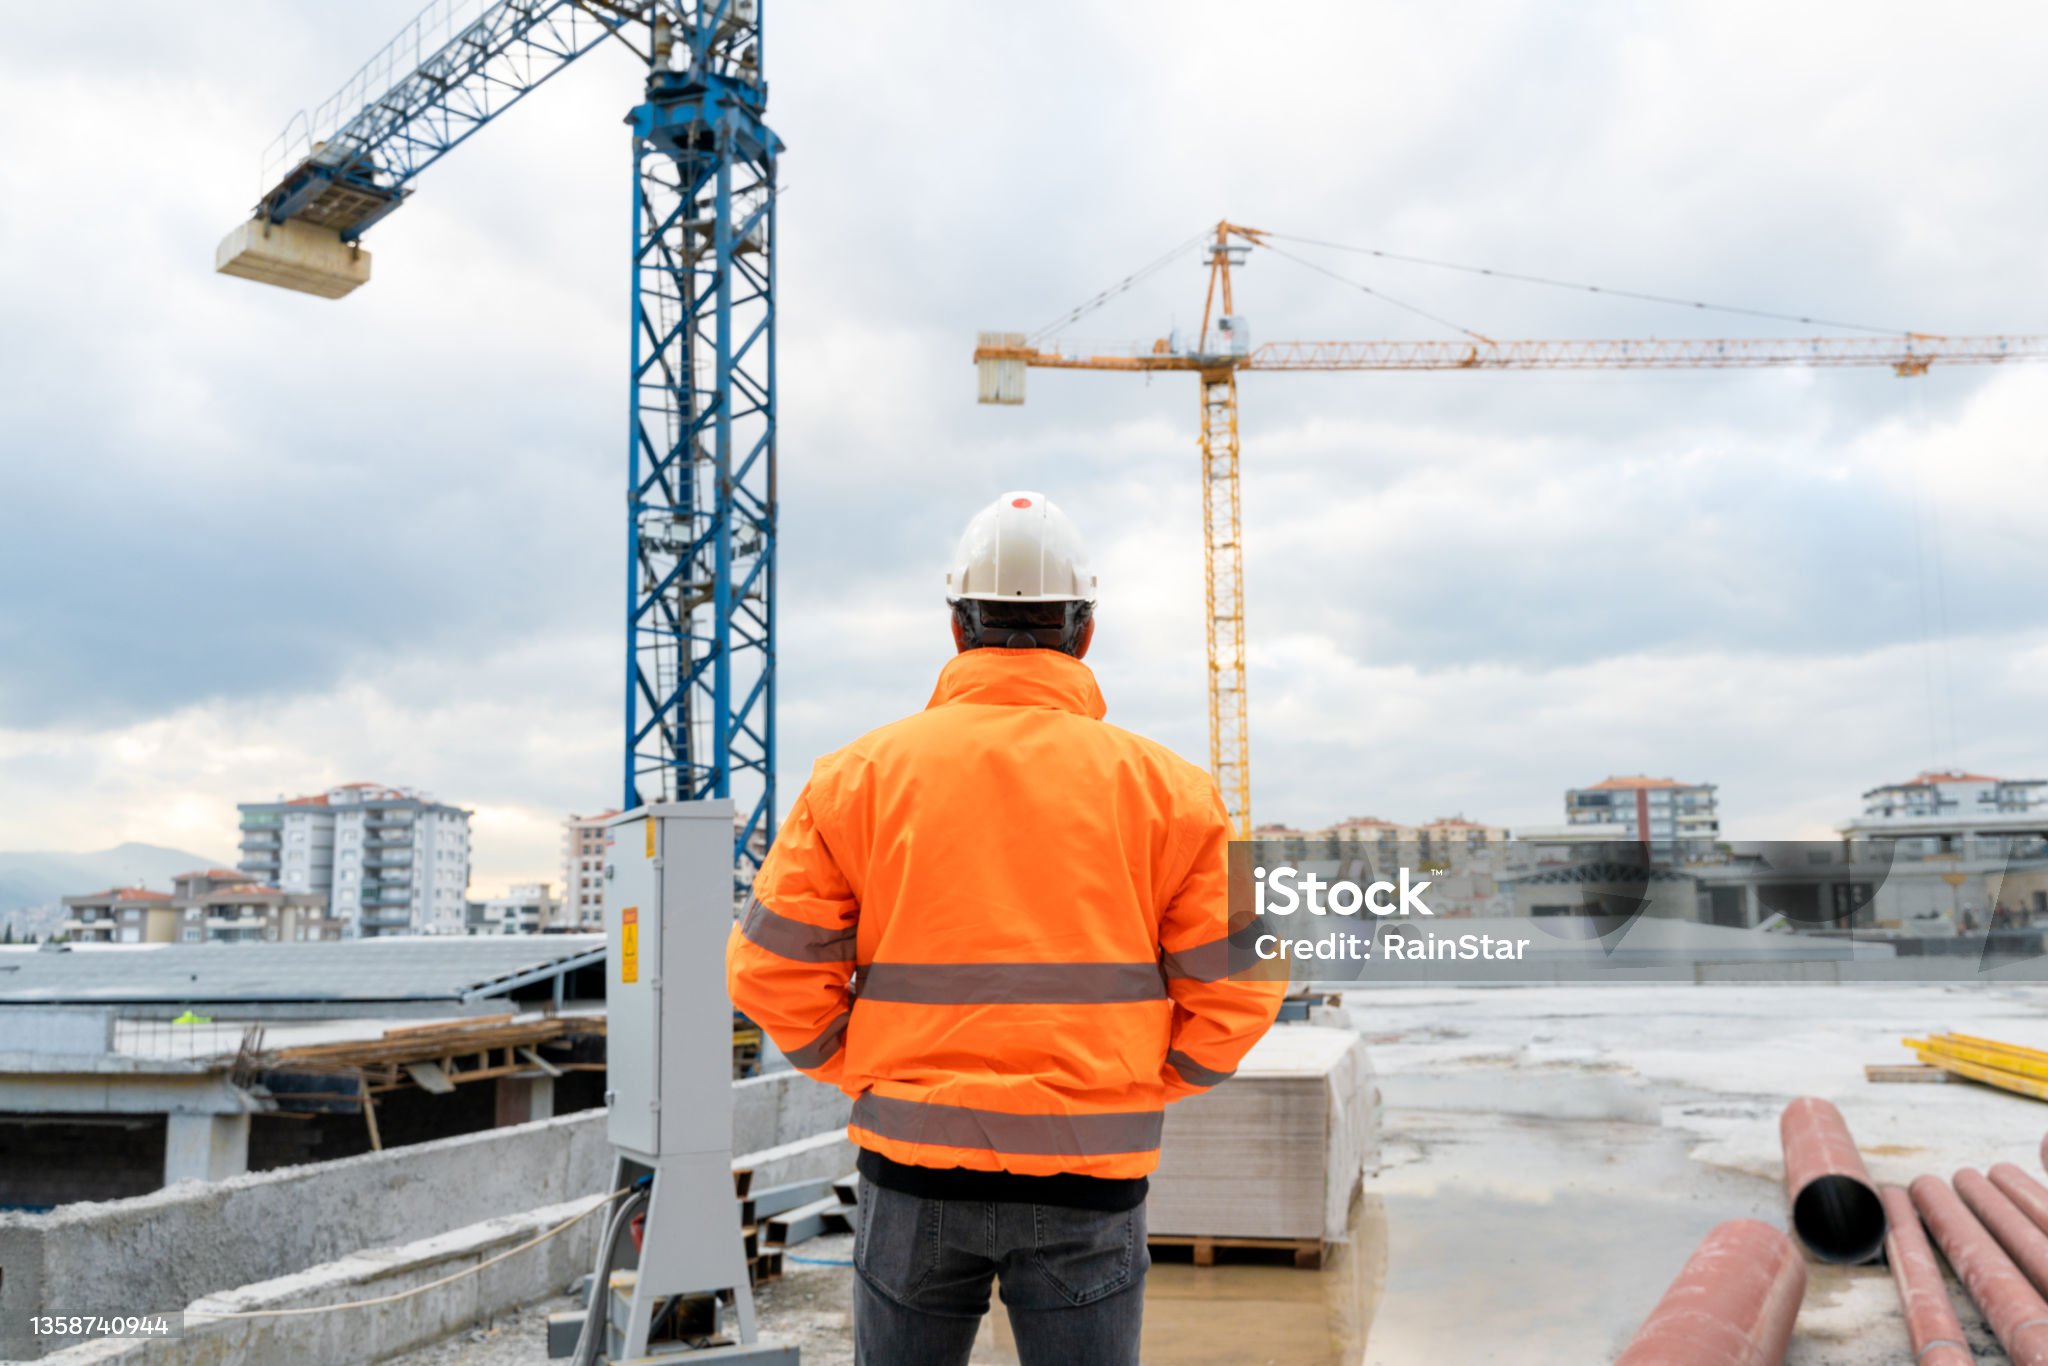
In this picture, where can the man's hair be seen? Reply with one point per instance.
(1022, 625)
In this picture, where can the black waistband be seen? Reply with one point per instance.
(1110, 1195)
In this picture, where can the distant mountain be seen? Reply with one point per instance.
(41, 879)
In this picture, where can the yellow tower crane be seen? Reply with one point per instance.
(1222, 349)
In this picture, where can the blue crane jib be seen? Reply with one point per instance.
(700, 594)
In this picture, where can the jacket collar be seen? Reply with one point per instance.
(1020, 678)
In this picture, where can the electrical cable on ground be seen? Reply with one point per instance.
(1640, 295)
(590, 1339)
(527, 1246)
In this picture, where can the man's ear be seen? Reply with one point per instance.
(959, 638)
(1087, 635)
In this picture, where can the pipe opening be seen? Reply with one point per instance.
(1840, 1220)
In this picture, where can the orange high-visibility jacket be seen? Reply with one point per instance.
(1000, 926)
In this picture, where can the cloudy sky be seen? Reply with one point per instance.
(255, 542)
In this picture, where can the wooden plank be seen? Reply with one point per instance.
(370, 1119)
(1903, 1072)
(430, 1077)
(1307, 1253)
(538, 1061)
(471, 1022)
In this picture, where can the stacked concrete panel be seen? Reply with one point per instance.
(1278, 1151)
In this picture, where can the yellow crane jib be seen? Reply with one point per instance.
(1222, 349)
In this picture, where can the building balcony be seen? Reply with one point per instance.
(257, 839)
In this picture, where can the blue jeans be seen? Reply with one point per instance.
(1073, 1280)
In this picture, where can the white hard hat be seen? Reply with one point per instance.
(1020, 548)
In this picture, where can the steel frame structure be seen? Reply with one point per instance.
(701, 501)
(700, 613)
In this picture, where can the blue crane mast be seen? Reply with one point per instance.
(701, 429)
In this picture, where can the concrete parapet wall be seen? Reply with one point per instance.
(157, 1252)
(372, 1332)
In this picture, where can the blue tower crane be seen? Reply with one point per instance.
(700, 458)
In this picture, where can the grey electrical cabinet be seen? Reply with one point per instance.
(668, 905)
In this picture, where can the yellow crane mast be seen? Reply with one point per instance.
(1222, 349)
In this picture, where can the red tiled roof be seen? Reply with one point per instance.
(1365, 820)
(1947, 775)
(320, 800)
(1612, 784)
(122, 894)
(1454, 822)
(240, 889)
(208, 873)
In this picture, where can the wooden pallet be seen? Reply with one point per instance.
(1306, 1253)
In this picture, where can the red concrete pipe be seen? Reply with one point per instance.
(1930, 1318)
(1732, 1305)
(1835, 1209)
(2015, 1310)
(2023, 1190)
(2025, 1243)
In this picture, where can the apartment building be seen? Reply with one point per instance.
(583, 848)
(212, 905)
(1679, 822)
(389, 860)
(120, 915)
(1960, 849)
(1455, 840)
(244, 913)
(1282, 842)
(526, 908)
(1952, 802)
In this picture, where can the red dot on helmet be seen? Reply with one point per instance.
(1020, 502)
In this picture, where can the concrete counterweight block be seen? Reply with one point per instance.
(293, 255)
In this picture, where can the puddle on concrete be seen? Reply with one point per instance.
(1244, 1314)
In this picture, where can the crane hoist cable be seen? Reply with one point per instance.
(1636, 294)
(1379, 294)
(1138, 276)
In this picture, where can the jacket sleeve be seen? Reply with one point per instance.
(790, 956)
(1224, 997)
